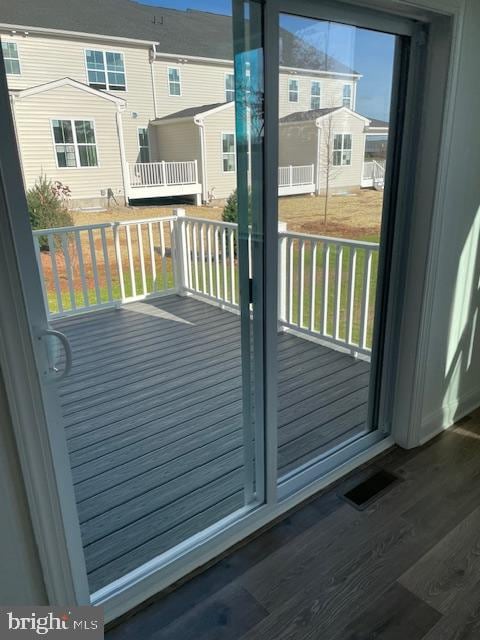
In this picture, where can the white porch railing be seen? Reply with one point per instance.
(326, 285)
(373, 173)
(295, 176)
(162, 174)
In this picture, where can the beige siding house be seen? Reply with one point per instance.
(165, 124)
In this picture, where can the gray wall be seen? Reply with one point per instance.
(21, 577)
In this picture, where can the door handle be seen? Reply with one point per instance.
(56, 375)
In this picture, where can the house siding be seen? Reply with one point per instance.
(331, 92)
(33, 117)
(219, 184)
(179, 142)
(45, 59)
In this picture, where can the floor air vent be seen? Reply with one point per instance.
(364, 493)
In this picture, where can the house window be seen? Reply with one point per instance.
(143, 146)
(105, 70)
(174, 86)
(315, 95)
(228, 152)
(347, 96)
(292, 90)
(10, 55)
(75, 143)
(342, 149)
(229, 87)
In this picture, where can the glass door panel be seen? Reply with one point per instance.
(335, 94)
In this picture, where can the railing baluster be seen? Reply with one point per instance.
(290, 281)
(153, 266)
(68, 270)
(93, 257)
(106, 262)
(367, 268)
(301, 274)
(81, 268)
(163, 254)
(352, 267)
(217, 263)
(232, 266)
(202, 258)
(208, 230)
(224, 265)
(188, 231)
(338, 290)
(119, 259)
(130, 260)
(195, 254)
(53, 258)
(313, 283)
(326, 275)
(142, 259)
(36, 243)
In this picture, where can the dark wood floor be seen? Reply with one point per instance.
(152, 410)
(406, 568)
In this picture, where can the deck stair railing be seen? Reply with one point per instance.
(162, 174)
(326, 285)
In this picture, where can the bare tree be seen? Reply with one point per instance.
(326, 167)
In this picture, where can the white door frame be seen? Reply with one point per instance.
(41, 442)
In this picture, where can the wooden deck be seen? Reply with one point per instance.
(152, 412)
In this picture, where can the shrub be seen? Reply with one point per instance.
(46, 206)
(230, 210)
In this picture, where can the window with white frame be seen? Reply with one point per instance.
(292, 90)
(228, 152)
(75, 143)
(143, 145)
(105, 70)
(347, 96)
(315, 95)
(229, 87)
(12, 61)
(174, 82)
(342, 149)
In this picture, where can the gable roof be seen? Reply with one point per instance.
(183, 33)
(192, 112)
(313, 115)
(378, 124)
(68, 82)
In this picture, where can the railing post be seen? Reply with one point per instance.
(290, 176)
(163, 173)
(282, 276)
(118, 258)
(179, 252)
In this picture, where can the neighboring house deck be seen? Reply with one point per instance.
(153, 416)
(153, 403)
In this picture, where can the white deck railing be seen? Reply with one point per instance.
(295, 176)
(373, 173)
(162, 174)
(326, 285)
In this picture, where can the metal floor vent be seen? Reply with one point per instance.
(364, 493)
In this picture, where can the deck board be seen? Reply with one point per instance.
(153, 418)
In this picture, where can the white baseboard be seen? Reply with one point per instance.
(447, 415)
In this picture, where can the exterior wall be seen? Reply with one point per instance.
(44, 59)
(219, 184)
(33, 122)
(298, 146)
(179, 141)
(331, 92)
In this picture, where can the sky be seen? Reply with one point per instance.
(367, 52)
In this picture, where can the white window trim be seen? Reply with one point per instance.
(297, 92)
(319, 96)
(229, 153)
(342, 149)
(174, 95)
(349, 106)
(227, 75)
(75, 142)
(104, 52)
(148, 142)
(14, 75)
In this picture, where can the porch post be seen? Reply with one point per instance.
(282, 276)
(179, 251)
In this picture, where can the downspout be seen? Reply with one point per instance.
(203, 154)
(154, 89)
(123, 158)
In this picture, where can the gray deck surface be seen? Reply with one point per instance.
(152, 409)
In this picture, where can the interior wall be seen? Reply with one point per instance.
(21, 577)
(452, 380)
